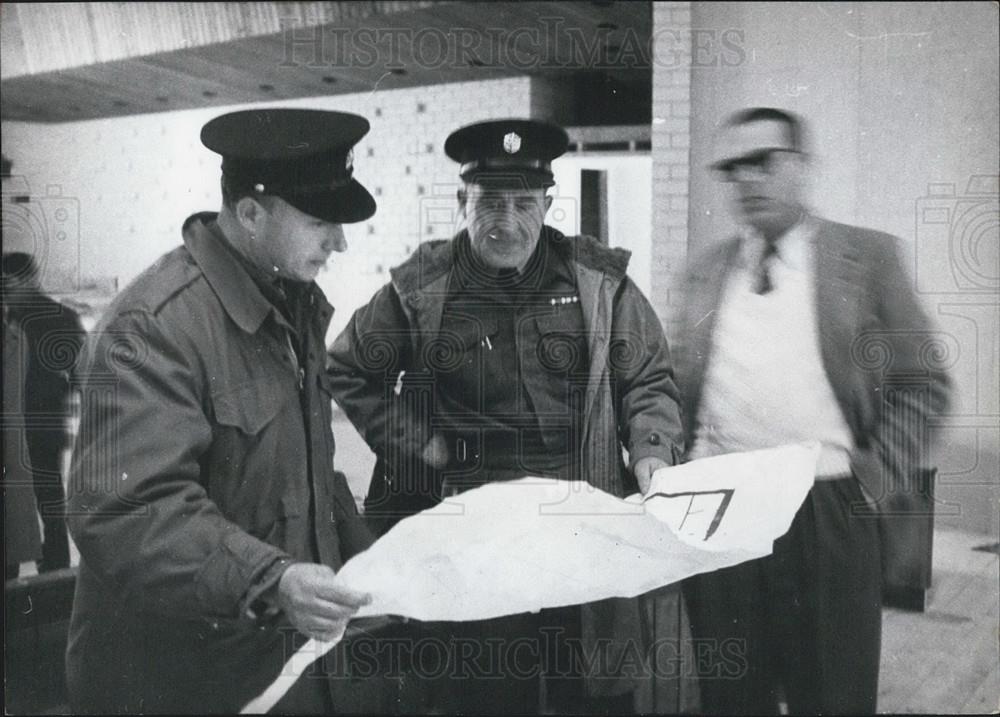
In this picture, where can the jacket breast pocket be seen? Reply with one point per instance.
(561, 344)
(460, 343)
(251, 406)
(257, 452)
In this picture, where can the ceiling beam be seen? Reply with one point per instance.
(47, 37)
(372, 46)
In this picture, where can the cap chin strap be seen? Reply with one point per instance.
(506, 163)
(287, 177)
(317, 188)
(300, 189)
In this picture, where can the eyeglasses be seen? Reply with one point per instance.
(759, 163)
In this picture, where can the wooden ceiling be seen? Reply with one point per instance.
(413, 44)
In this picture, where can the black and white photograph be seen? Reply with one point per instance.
(501, 358)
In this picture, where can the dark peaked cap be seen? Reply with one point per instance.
(305, 157)
(517, 149)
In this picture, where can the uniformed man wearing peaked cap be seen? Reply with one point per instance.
(519, 150)
(209, 518)
(530, 353)
(306, 157)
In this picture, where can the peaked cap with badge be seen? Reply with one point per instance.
(305, 157)
(509, 152)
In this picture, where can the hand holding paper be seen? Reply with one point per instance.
(316, 600)
(644, 470)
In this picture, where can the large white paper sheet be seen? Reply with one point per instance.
(507, 548)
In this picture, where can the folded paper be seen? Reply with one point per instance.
(534, 543)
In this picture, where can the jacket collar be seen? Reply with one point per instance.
(428, 263)
(588, 251)
(838, 261)
(703, 294)
(236, 290)
(840, 286)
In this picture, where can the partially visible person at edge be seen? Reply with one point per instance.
(22, 542)
(54, 337)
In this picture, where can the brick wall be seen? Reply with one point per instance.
(671, 140)
(128, 183)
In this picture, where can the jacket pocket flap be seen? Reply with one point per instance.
(252, 405)
(473, 333)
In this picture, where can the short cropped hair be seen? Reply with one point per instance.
(232, 192)
(794, 125)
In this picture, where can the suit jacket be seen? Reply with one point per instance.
(884, 361)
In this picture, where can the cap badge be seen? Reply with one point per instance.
(511, 142)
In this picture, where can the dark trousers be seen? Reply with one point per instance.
(801, 626)
(46, 448)
(517, 664)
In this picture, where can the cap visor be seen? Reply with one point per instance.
(346, 205)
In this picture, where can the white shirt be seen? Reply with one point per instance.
(765, 384)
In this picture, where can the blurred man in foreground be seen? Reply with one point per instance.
(776, 321)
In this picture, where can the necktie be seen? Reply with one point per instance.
(764, 284)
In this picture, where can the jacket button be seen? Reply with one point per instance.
(654, 439)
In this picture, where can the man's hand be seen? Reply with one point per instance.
(644, 471)
(315, 602)
(435, 453)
